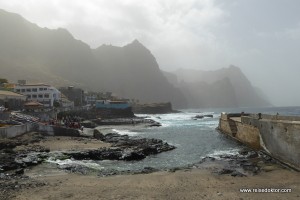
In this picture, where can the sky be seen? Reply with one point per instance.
(262, 37)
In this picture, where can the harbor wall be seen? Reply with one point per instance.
(279, 136)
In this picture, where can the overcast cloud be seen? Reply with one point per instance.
(262, 37)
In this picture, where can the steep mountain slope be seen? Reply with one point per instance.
(40, 54)
(134, 72)
(54, 56)
(227, 87)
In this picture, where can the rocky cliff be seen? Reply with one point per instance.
(226, 87)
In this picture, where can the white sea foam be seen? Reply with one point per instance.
(87, 163)
(182, 119)
(218, 153)
(125, 132)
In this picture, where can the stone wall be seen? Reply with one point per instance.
(224, 126)
(13, 131)
(248, 135)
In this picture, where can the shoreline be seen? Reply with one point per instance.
(210, 178)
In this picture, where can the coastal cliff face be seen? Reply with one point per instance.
(226, 87)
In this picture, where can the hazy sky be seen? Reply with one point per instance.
(262, 37)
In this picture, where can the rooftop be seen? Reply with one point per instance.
(36, 84)
(10, 95)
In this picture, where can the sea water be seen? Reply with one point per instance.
(194, 139)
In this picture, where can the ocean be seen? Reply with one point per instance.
(194, 139)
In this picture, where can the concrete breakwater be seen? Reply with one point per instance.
(278, 136)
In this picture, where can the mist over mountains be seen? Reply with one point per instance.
(56, 57)
(226, 87)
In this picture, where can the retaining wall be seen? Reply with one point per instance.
(13, 131)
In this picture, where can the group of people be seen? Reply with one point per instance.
(68, 122)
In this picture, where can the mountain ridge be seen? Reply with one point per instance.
(56, 57)
(30, 52)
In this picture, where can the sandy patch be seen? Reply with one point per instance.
(72, 143)
(193, 184)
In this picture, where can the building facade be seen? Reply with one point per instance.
(42, 93)
(111, 104)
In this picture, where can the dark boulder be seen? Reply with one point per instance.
(225, 171)
(198, 117)
(98, 135)
(237, 174)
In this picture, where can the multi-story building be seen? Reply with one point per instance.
(43, 93)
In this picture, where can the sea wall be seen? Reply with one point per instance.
(282, 140)
(277, 135)
(16, 130)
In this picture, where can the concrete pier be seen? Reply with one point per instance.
(279, 136)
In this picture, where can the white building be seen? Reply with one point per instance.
(43, 93)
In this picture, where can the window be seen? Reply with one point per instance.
(45, 88)
(54, 95)
(34, 89)
(18, 90)
(23, 90)
(29, 96)
(40, 89)
(46, 95)
(28, 90)
(34, 96)
(40, 96)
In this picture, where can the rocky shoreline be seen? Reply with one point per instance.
(15, 160)
(246, 163)
(18, 155)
